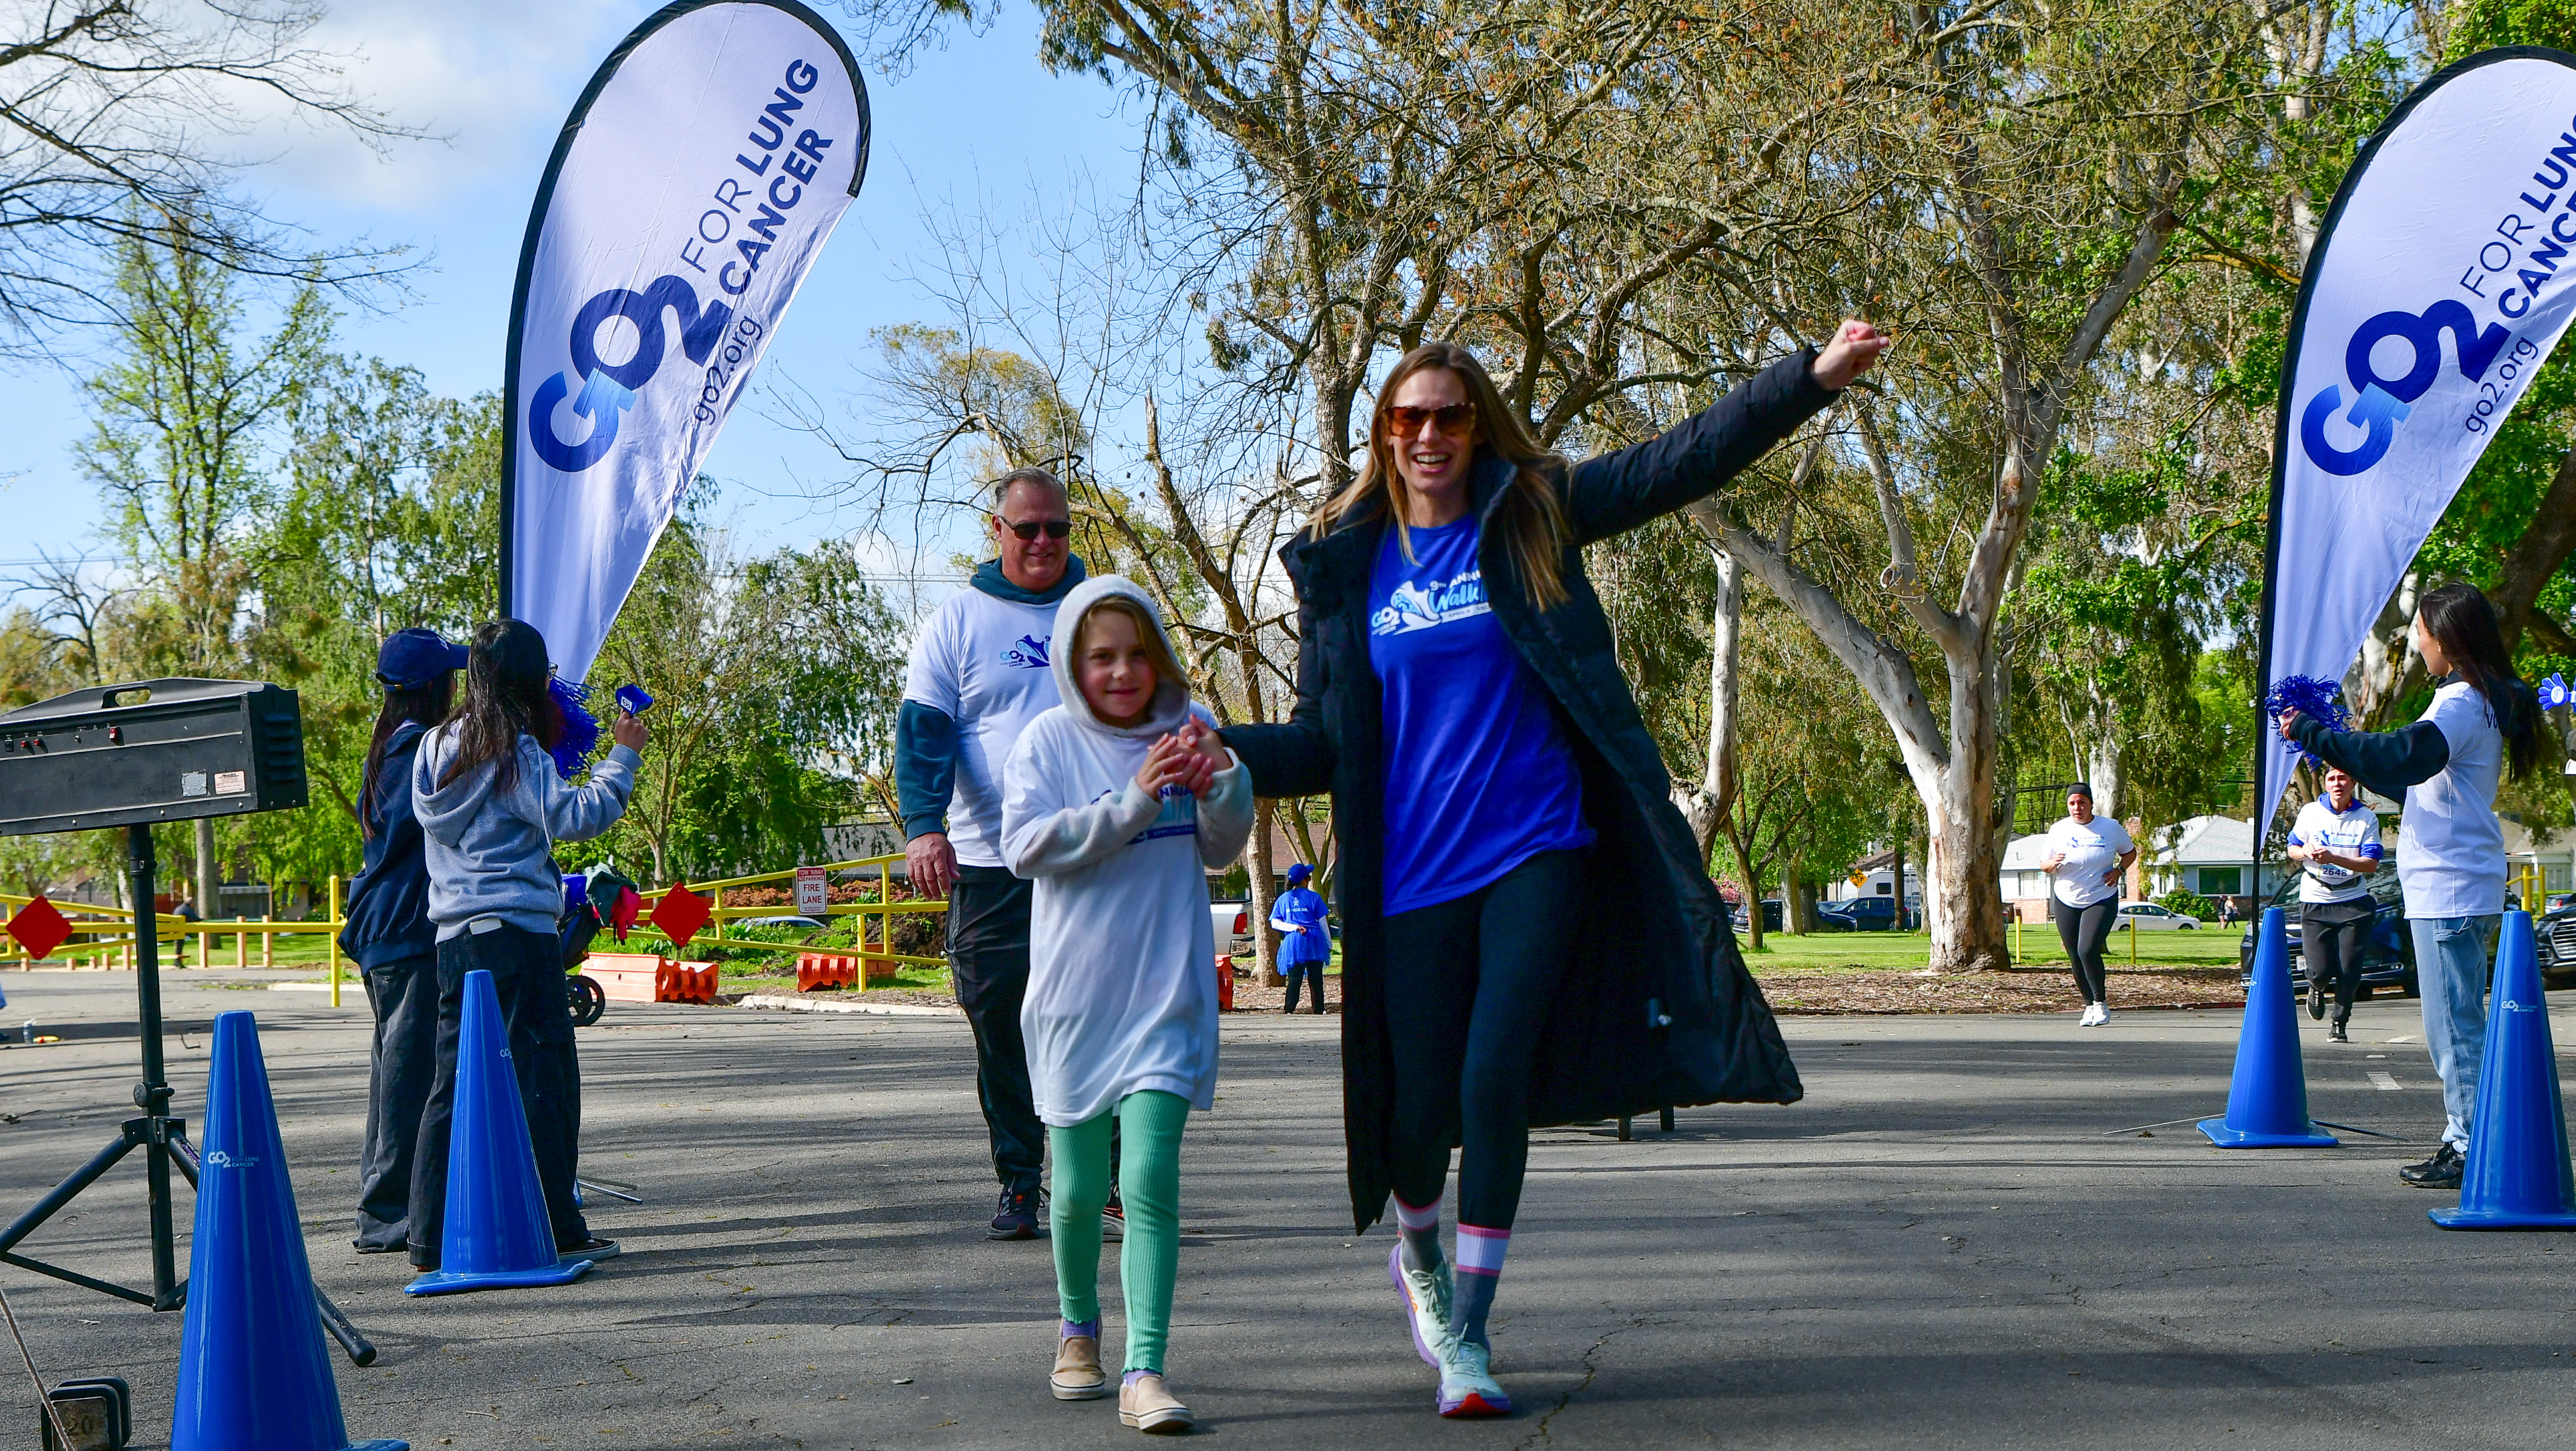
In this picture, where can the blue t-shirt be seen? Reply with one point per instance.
(1479, 777)
(1302, 907)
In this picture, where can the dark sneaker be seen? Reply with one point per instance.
(1113, 1220)
(1017, 1215)
(2316, 999)
(2336, 1034)
(2442, 1171)
(592, 1247)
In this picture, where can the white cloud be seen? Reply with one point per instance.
(490, 81)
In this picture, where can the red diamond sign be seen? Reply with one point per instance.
(680, 914)
(39, 928)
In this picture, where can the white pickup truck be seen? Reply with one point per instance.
(1232, 919)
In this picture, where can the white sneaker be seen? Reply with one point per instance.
(2092, 1016)
(2101, 1015)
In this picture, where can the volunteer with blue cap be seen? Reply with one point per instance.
(389, 933)
(1305, 938)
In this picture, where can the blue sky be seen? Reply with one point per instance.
(493, 80)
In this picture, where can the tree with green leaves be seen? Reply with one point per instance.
(186, 417)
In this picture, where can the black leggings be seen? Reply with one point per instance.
(2331, 936)
(2085, 931)
(1469, 984)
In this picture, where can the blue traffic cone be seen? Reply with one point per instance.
(2267, 1102)
(2517, 1175)
(253, 1375)
(497, 1234)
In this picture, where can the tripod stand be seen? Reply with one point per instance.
(162, 1138)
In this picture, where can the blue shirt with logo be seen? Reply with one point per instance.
(1479, 777)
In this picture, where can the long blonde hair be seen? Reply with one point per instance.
(1532, 513)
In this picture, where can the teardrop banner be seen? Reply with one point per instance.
(2438, 286)
(692, 189)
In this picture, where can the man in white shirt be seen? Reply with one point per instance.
(2335, 840)
(979, 673)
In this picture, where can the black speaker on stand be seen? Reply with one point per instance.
(134, 756)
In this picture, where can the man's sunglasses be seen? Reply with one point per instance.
(1452, 419)
(1028, 532)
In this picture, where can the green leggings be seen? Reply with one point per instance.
(1149, 1181)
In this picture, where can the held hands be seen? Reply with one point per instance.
(1855, 348)
(630, 731)
(2055, 860)
(2289, 721)
(1189, 758)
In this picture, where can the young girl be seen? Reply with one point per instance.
(491, 809)
(389, 933)
(1114, 809)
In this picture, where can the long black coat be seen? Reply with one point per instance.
(1657, 1007)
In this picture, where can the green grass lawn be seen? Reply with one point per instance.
(2033, 945)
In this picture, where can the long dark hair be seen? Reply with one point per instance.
(2461, 621)
(506, 673)
(424, 706)
(1532, 515)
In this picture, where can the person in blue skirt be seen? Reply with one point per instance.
(1305, 938)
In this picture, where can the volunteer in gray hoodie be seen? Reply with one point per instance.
(491, 808)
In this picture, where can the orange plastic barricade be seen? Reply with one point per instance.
(626, 977)
(693, 982)
(819, 970)
(878, 971)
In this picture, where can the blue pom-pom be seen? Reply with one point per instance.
(2319, 700)
(580, 733)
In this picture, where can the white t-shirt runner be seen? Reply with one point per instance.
(2450, 847)
(984, 663)
(2090, 850)
(2350, 832)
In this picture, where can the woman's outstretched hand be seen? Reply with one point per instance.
(1856, 346)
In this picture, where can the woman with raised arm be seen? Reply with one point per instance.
(2483, 721)
(1529, 932)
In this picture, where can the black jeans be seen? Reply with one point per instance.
(527, 973)
(1311, 972)
(2331, 935)
(988, 955)
(404, 994)
(1469, 983)
(2085, 931)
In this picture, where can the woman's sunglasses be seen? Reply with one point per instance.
(1053, 528)
(1452, 419)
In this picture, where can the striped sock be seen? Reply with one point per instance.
(1480, 1270)
(1420, 1227)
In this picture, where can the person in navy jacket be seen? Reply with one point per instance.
(1305, 938)
(389, 933)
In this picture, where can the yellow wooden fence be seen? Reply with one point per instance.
(103, 936)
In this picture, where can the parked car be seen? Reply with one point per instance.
(2555, 932)
(799, 923)
(1770, 916)
(1857, 914)
(1232, 919)
(2387, 953)
(2148, 917)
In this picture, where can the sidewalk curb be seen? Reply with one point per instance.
(778, 1003)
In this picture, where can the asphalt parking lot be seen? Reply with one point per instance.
(1943, 1245)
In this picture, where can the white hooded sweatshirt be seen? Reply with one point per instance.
(1122, 959)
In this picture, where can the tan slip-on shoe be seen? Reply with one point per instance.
(1147, 1404)
(1077, 1374)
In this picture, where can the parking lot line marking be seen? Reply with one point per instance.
(2384, 1080)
